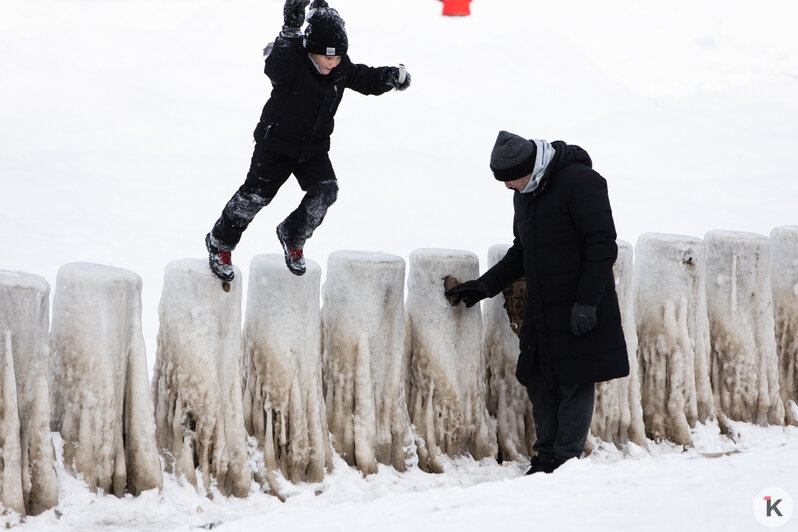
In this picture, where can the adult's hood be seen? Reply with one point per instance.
(564, 154)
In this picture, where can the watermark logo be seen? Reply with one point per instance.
(773, 507)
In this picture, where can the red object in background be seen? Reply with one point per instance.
(457, 8)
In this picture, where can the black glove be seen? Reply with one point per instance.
(583, 319)
(391, 78)
(294, 13)
(469, 292)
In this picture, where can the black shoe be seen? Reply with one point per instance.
(540, 464)
(220, 261)
(559, 460)
(293, 254)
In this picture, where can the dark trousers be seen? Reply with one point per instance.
(267, 173)
(562, 416)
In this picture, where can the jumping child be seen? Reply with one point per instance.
(308, 74)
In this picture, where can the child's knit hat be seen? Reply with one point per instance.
(325, 33)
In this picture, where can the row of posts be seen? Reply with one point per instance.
(710, 327)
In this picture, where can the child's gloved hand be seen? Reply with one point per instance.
(294, 13)
(391, 78)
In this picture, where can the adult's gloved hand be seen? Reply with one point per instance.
(469, 292)
(583, 319)
(294, 13)
(391, 78)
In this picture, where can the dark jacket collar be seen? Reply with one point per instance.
(564, 155)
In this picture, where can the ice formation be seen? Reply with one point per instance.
(283, 398)
(672, 334)
(448, 365)
(24, 338)
(508, 401)
(745, 369)
(364, 339)
(784, 269)
(197, 379)
(617, 411)
(10, 451)
(101, 402)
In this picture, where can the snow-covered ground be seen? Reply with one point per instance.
(125, 125)
(709, 487)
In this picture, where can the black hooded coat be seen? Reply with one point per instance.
(565, 247)
(297, 120)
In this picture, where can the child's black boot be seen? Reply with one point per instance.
(294, 258)
(220, 261)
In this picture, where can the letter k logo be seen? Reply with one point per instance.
(777, 508)
(772, 506)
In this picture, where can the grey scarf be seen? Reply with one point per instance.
(545, 152)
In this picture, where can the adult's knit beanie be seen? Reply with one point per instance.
(513, 157)
(325, 33)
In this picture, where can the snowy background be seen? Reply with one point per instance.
(126, 125)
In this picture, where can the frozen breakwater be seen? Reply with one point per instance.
(382, 373)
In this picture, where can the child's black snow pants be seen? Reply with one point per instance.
(267, 173)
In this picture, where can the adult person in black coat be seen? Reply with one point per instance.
(565, 247)
(308, 74)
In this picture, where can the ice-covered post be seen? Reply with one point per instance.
(197, 379)
(745, 372)
(364, 333)
(10, 449)
(448, 381)
(784, 268)
(283, 398)
(101, 400)
(617, 411)
(672, 335)
(24, 339)
(507, 398)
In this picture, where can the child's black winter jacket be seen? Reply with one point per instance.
(297, 120)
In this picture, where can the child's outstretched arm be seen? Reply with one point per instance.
(374, 80)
